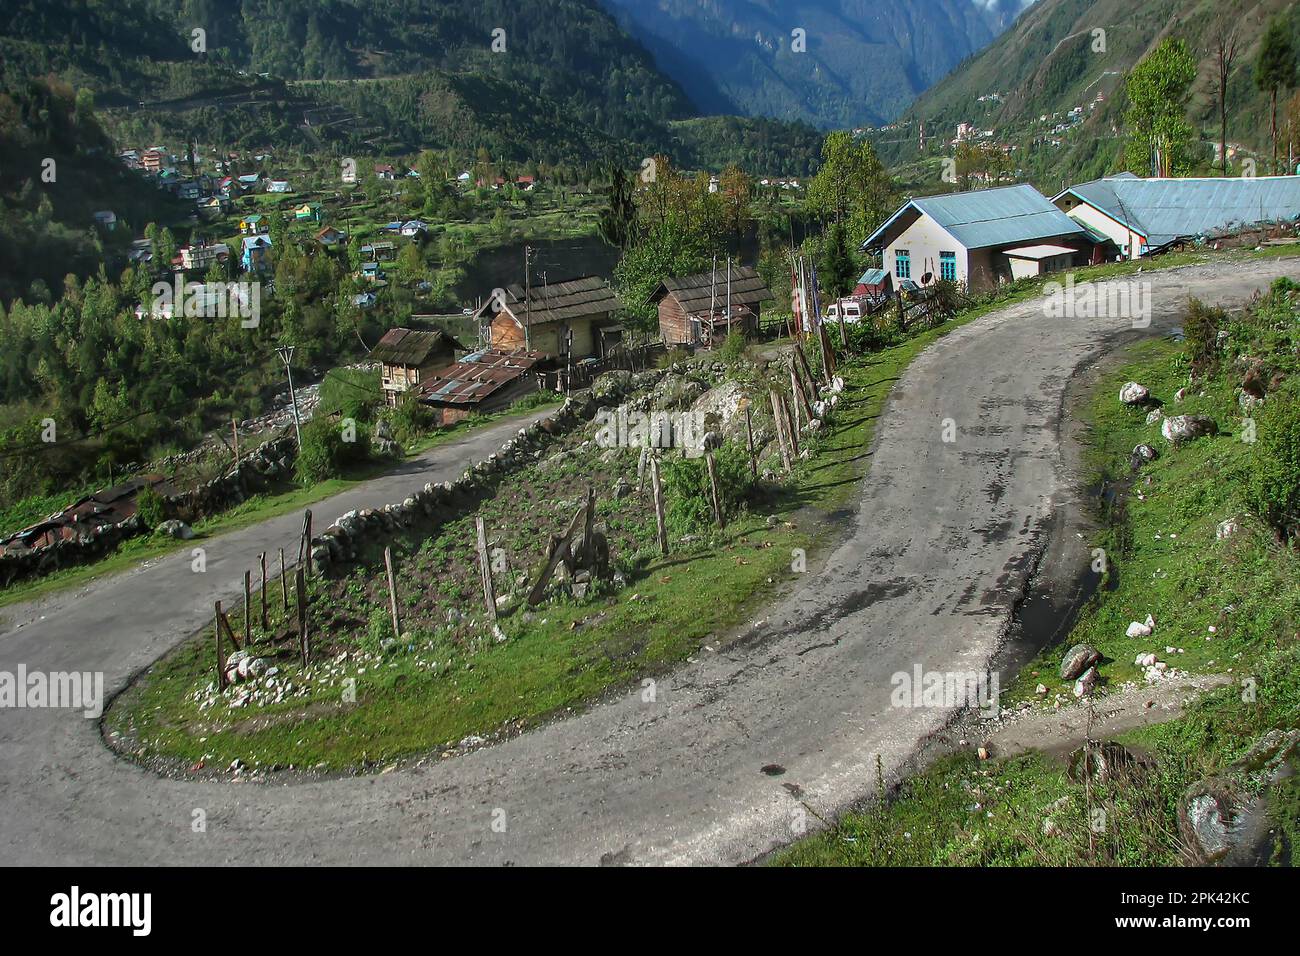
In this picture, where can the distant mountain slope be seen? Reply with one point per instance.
(864, 62)
(1046, 64)
(565, 83)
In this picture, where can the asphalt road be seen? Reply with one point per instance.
(940, 546)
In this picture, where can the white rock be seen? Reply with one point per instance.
(1133, 394)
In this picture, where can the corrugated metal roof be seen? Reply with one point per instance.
(1164, 210)
(475, 377)
(872, 277)
(989, 217)
(1039, 252)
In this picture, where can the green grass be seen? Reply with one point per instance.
(256, 509)
(562, 657)
(1165, 560)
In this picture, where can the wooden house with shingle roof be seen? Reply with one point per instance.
(410, 357)
(693, 309)
(562, 320)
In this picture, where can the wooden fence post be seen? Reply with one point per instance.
(248, 608)
(221, 664)
(713, 485)
(284, 587)
(392, 593)
(306, 542)
(302, 614)
(485, 568)
(266, 626)
(658, 491)
(749, 435)
(778, 418)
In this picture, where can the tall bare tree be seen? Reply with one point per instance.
(1224, 49)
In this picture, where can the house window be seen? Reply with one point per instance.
(948, 266)
(902, 264)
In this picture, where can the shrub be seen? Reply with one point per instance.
(687, 496)
(409, 419)
(1274, 489)
(733, 349)
(149, 506)
(324, 453)
(1201, 333)
(352, 392)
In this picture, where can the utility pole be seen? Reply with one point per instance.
(728, 296)
(286, 355)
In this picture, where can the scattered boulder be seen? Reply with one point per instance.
(1141, 628)
(1087, 683)
(1226, 529)
(1134, 394)
(1077, 660)
(611, 385)
(1154, 416)
(676, 392)
(175, 529)
(1208, 821)
(1142, 454)
(1180, 428)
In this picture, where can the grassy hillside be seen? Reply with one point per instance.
(1223, 605)
(1050, 61)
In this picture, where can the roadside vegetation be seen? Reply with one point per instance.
(453, 678)
(1189, 540)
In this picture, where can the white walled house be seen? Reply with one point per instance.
(979, 238)
(1142, 216)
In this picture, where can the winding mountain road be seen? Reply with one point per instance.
(940, 547)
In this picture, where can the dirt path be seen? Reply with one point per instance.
(795, 708)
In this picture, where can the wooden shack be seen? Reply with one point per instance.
(693, 309)
(410, 357)
(564, 321)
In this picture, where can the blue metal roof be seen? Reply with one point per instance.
(1164, 210)
(988, 217)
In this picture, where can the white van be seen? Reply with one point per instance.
(850, 309)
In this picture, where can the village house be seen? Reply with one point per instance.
(482, 382)
(329, 236)
(973, 238)
(254, 224)
(152, 160)
(308, 211)
(414, 228)
(410, 357)
(277, 186)
(563, 321)
(200, 258)
(693, 309)
(256, 256)
(106, 219)
(1144, 216)
(249, 181)
(379, 251)
(385, 171)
